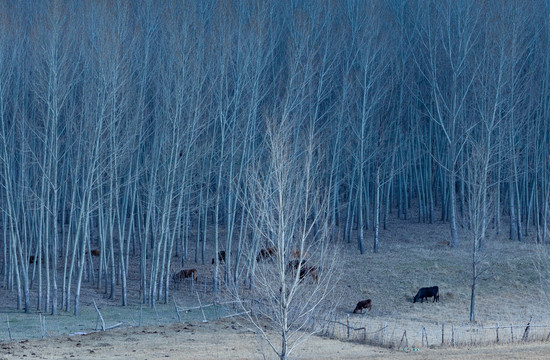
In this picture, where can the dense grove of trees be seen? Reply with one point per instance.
(135, 126)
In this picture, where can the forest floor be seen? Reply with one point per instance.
(513, 289)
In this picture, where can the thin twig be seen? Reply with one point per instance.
(203, 316)
(101, 317)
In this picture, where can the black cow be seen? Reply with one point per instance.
(221, 257)
(425, 293)
(365, 304)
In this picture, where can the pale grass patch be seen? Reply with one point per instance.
(512, 287)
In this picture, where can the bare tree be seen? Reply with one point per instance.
(479, 209)
(287, 207)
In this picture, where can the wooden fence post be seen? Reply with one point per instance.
(453, 335)
(9, 328)
(526, 332)
(177, 310)
(43, 325)
(442, 334)
(347, 322)
(498, 340)
(424, 334)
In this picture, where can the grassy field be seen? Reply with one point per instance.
(512, 289)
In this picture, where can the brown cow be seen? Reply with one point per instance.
(297, 254)
(365, 304)
(31, 259)
(95, 252)
(308, 270)
(305, 270)
(184, 274)
(293, 264)
(267, 253)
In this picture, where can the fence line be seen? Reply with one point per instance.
(93, 318)
(364, 329)
(376, 332)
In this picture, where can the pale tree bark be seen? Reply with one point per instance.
(16, 249)
(224, 123)
(113, 53)
(481, 148)
(518, 33)
(282, 198)
(372, 67)
(55, 73)
(180, 72)
(479, 208)
(447, 35)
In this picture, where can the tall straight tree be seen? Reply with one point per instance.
(447, 32)
(112, 49)
(369, 82)
(55, 75)
(13, 137)
(183, 78)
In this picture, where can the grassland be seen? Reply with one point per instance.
(513, 288)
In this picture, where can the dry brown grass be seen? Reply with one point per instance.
(510, 288)
(228, 340)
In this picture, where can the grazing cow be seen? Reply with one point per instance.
(309, 270)
(305, 270)
(221, 257)
(297, 254)
(95, 252)
(267, 253)
(185, 274)
(425, 293)
(33, 259)
(365, 304)
(293, 264)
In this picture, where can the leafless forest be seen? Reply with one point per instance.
(162, 132)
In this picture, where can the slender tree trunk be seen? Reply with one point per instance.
(376, 211)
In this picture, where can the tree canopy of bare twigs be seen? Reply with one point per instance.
(295, 271)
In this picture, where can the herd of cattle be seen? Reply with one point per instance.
(298, 261)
